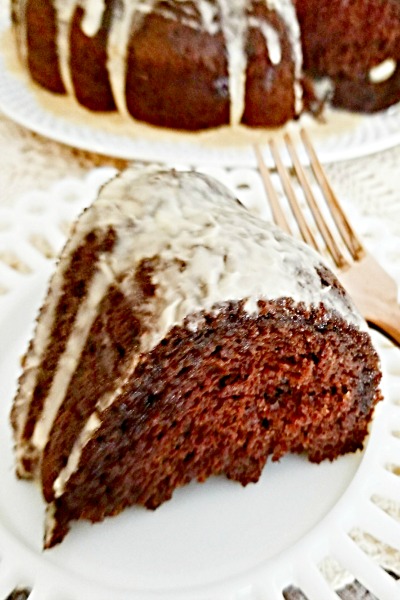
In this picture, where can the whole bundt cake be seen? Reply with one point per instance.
(182, 337)
(195, 64)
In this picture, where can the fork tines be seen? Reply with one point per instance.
(313, 221)
(319, 218)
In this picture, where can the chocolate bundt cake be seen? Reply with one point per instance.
(182, 337)
(195, 64)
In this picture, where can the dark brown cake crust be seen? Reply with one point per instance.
(89, 63)
(220, 400)
(177, 76)
(42, 55)
(270, 95)
(364, 96)
(344, 41)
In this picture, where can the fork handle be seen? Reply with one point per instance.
(388, 323)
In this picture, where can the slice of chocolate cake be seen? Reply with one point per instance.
(181, 338)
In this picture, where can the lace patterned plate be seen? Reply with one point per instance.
(302, 526)
(342, 136)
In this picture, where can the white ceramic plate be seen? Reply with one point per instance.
(217, 535)
(342, 136)
(212, 541)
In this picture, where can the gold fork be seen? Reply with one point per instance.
(372, 289)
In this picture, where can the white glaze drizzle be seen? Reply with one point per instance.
(271, 38)
(287, 12)
(123, 24)
(234, 27)
(65, 10)
(91, 426)
(69, 360)
(40, 344)
(383, 71)
(93, 16)
(179, 218)
(19, 8)
(208, 12)
(50, 522)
